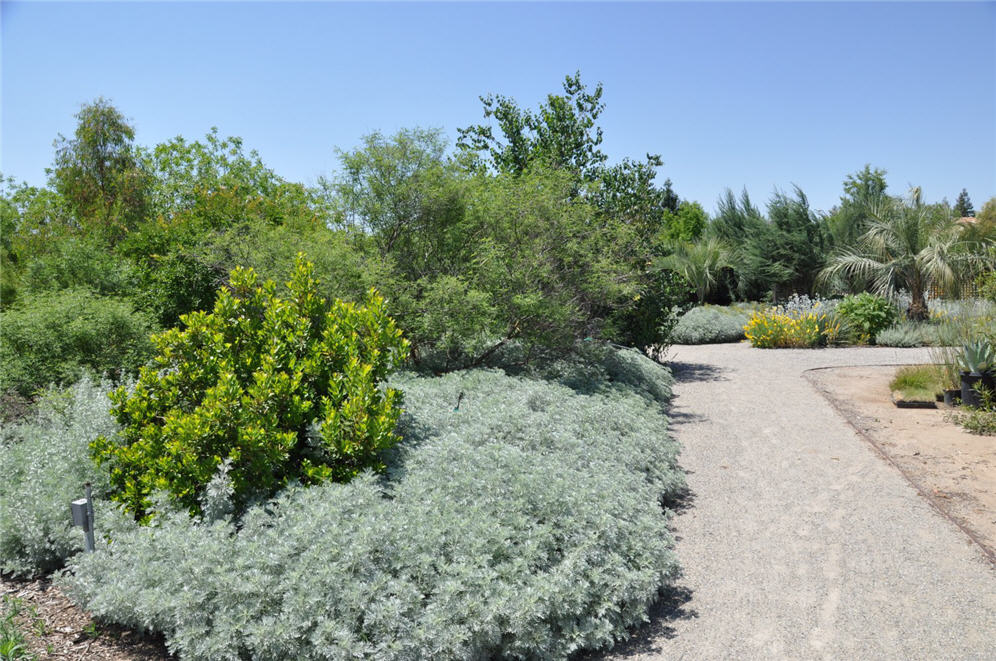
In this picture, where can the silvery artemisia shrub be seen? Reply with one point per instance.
(521, 518)
(908, 334)
(44, 463)
(709, 325)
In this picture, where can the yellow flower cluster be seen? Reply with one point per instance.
(774, 329)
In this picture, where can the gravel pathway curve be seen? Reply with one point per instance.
(800, 541)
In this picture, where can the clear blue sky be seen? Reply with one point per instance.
(753, 95)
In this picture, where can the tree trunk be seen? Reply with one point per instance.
(917, 311)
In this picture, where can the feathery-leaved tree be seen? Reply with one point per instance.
(908, 245)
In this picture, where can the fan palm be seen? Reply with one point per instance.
(908, 245)
(699, 263)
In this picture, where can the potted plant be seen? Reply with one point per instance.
(976, 360)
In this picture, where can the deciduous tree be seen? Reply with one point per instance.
(97, 173)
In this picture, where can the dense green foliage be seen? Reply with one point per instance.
(97, 174)
(563, 135)
(527, 233)
(710, 325)
(778, 255)
(867, 314)
(53, 337)
(543, 248)
(480, 259)
(863, 190)
(521, 518)
(266, 389)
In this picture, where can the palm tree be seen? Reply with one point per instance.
(699, 263)
(908, 245)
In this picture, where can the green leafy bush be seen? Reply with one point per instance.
(651, 320)
(77, 262)
(908, 334)
(867, 314)
(980, 420)
(53, 337)
(45, 462)
(520, 519)
(274, 389)
(176, 284)
(710, 325)
(986, 283)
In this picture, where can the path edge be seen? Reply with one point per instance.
(987, 553)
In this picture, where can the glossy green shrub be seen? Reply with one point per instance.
(54, 337)
(519, 518)
(710, 325)
(44, 462)
(280, 389)
(867, 314)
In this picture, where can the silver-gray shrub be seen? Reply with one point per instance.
(594, 367)
(908, 334)
(521, 520)
(44, 462)
(709, 325)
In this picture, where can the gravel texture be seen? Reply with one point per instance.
(799, 540)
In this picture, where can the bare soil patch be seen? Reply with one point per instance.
(954, 469)
(54, 628)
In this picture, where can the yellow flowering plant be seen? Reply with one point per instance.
(776, 328)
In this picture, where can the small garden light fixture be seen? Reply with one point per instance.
(83, 516)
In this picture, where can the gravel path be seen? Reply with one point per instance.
(799, 540)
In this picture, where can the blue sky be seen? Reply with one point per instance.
(753, 95)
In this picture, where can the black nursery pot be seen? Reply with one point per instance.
(952, 396)
(969, 395)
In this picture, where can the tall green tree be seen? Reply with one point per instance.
(862, 190)
(777, 255)
(97, 173)
(183, 173)
(408, 195)
(562, 133)
(795, 241)
(963, 205)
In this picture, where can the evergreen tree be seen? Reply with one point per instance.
(963, 206)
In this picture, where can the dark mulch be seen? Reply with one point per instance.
(57, 629)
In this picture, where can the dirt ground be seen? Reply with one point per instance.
(56, 629)
(954, 469)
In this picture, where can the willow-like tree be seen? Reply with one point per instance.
(97, 172)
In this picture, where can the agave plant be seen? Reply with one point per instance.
(977, 357)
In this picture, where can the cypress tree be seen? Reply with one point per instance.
(963, 206)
